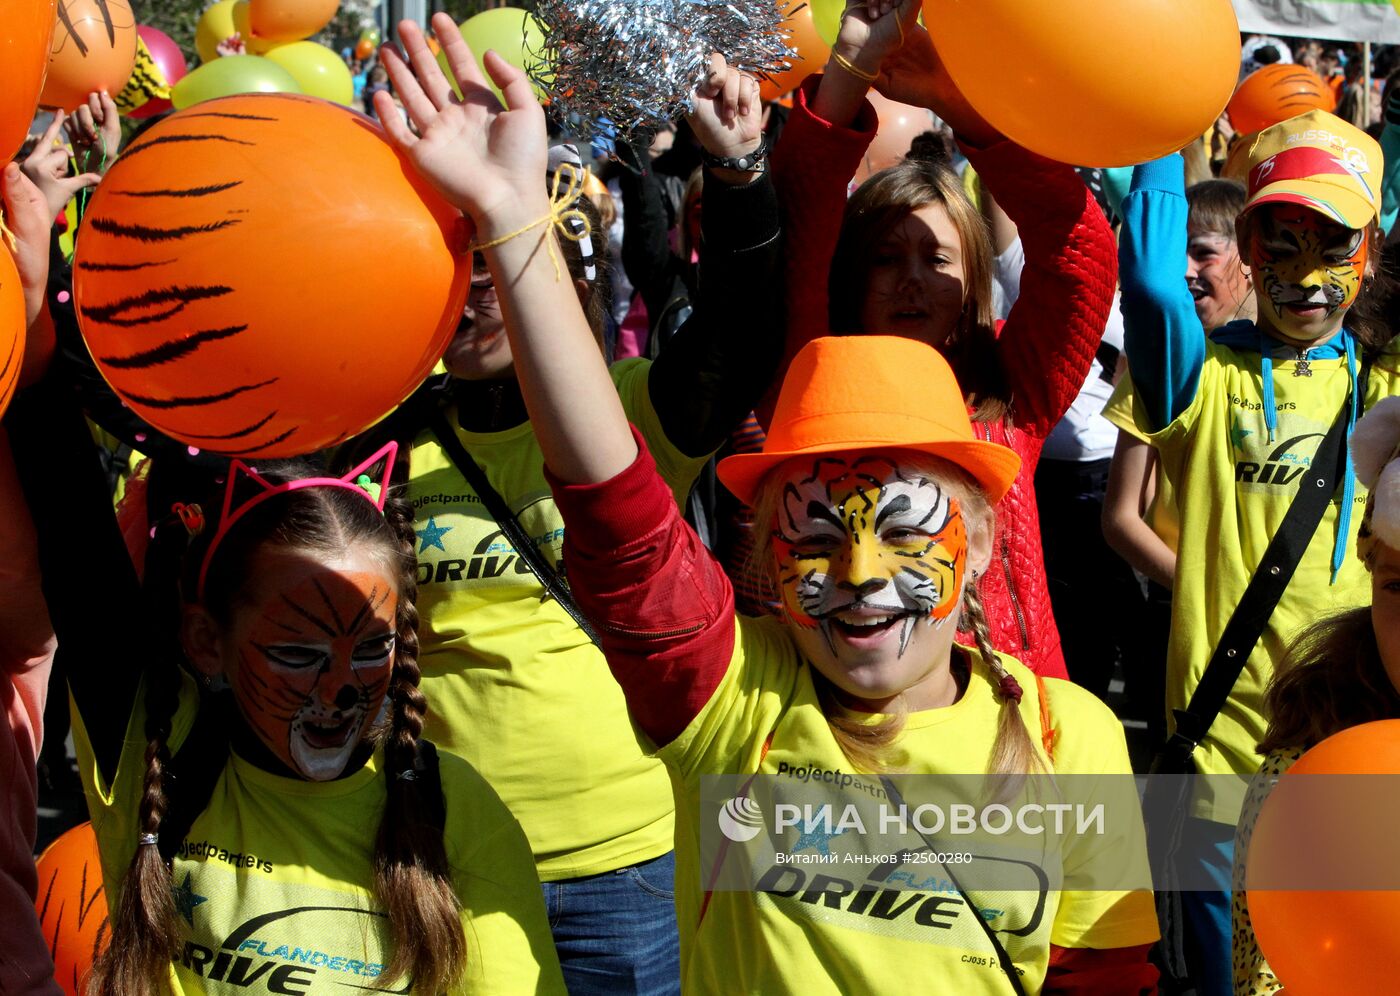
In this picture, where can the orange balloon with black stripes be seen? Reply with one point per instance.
(11, 326)
(1276, 93)
(263, 275)
(72, 906)
(94, 48)
(26, 31)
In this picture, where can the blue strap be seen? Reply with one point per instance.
(1340, 545)
(1266, 373)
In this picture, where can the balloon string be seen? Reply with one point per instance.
(562, 215)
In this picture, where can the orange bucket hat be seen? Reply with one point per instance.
(871, 392)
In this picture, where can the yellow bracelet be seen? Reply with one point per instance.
(561, 215)
(851, 68)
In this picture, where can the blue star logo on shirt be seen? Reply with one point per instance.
(432, 534)
(816, 839)
(1238, 432)
(186, 899)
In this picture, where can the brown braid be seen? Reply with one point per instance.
(1012, 751)
(145, 934)
(412, 878)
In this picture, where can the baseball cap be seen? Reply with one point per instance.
(1321, 162)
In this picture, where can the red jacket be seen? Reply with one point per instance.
(664, 611)
(1045, 346)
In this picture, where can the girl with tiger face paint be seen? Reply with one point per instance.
(309, 656)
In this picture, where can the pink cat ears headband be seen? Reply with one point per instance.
(240, 474)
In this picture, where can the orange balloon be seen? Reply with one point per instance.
(1276, 93)
(364, 48)
(72, 906)
(1089, 82)
(11, 326)
(26, 32)
(1321, 942)
(272, 281)
(900, 124)
(812, 54)
(94, 48)
(289, 20)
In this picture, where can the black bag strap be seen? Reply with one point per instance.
(1008, 966)
(1269, 582)
(525, 548)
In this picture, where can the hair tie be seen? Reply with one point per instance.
(147, 839)
(408, 775)
(1010, 688)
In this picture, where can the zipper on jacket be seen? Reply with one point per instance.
(652, 634)
(1006, 568)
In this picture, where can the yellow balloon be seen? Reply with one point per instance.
(511, 33)
(215, 24)
(229, 75)
(826, 15)
(317, 70)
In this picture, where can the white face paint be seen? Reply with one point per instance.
(864, 550)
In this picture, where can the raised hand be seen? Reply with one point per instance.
(727, 116)
(487, 161)
(872, 29)
(232, 45)
(914, 74)
(95, 129)
(47, 169)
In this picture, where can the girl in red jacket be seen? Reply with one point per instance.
(876, 494)
(909, 255)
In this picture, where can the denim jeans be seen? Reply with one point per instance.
(616, 932)
(1209, 952)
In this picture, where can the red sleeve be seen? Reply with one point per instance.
(1100, 972)
(813, 163)
(661, 604)
(1054, 328)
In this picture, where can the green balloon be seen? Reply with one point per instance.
(229, 75)
(372, 35)
(511, 33)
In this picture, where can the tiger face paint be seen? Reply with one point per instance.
(314, 654)
(1307, 271)
(866, 550)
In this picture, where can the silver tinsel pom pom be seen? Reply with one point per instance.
(627, 67)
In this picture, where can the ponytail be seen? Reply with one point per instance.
(145, 935)
(1013, 753)
(412, 878)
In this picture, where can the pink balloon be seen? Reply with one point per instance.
(900, 124)
(168, 59)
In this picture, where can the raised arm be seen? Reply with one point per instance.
(1066, 290)
(490, 163)
(647, 258)
(1162, 336)
(638, 565)
(717, 366)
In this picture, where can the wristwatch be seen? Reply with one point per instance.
(752, 162)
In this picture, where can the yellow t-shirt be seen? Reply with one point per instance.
(753, 942)
(1161, 514)
(272, 881)
(513, 684)
(1235, 487)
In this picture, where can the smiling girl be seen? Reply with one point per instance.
(877, 497)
